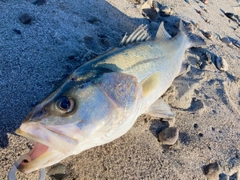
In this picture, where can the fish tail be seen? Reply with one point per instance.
(193, 39)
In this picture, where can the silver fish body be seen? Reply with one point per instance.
(101, 100)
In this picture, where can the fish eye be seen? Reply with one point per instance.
(65, 104)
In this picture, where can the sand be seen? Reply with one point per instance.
(63, 34)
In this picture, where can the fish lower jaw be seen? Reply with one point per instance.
(50, 147)
(39, 157)
(28, 160)
(47, 158)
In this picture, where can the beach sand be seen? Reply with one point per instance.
(37, 53)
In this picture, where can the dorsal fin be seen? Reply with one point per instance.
(162, 34)
(140, 34)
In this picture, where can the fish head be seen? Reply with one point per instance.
(78, 115)
(55, 126)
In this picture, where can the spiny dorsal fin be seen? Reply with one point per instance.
(140, 34)
(160, 109)
(150, 83)
(162, 34)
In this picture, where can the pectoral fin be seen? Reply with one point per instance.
(149, 84)
(160, 109)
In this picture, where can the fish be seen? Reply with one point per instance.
(101, 100)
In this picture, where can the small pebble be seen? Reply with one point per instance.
(25, 18)
(205, 10)
(199, 12)
(233, 17)
(212, 171)
(169, 136)
(150, 10)
(221, 64)
(205, 1)
(208, 34)
(207, 20)
(229, 15)
(226, 40)
(166, 10)
(223, 176)
(58, 171)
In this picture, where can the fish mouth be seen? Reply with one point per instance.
(39, 157)
(50, 147)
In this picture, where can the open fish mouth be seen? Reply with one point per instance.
(50, 147)
(37, 158)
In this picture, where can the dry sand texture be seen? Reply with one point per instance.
(63, 34)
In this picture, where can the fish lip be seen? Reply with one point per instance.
(27, 167)
(46, 159)
(44, 135)
(27, 162)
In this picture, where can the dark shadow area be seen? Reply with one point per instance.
(232, 16)
(234, 176)
(223, 176)
(220, 91)
(59, 171)
(234, 157)
(205, 57)
(157, 126)
(211, 170)
(196, 105)
(27, 78)
(234, 41)
(184, 138)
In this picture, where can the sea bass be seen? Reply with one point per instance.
(101, 100)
